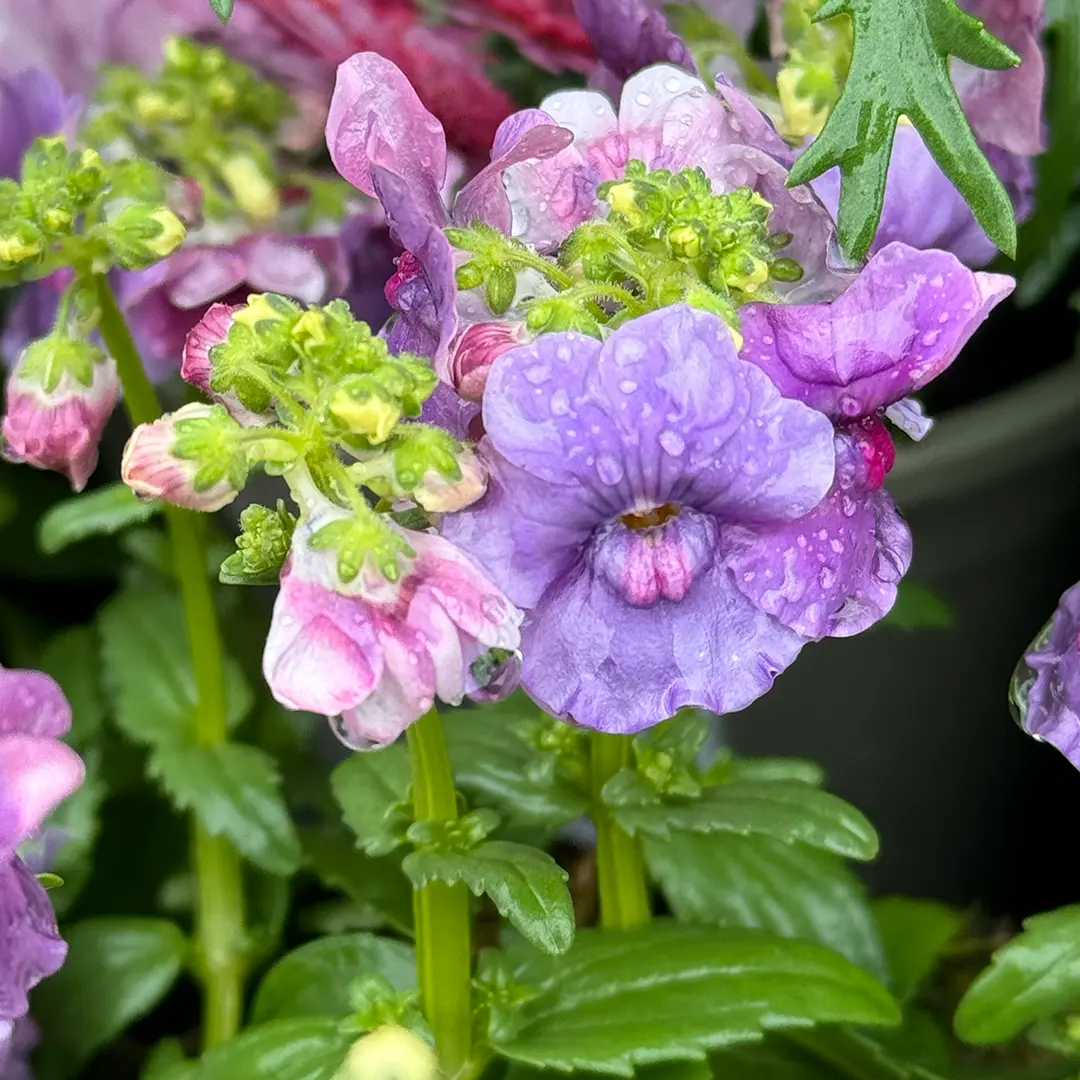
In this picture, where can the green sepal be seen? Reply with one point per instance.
(261, 547)
(358, 538)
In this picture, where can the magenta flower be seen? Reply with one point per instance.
(373, 655)
(37, 771)
(902, 322)
(617, 470)
(1049, 699)
(60, 428)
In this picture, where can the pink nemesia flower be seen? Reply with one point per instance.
(60, 429)
(151, 469)
(372, 655)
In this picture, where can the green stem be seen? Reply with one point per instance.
(620, 864)
(220, 911)
(441, 911)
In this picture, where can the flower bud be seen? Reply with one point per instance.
(390, 1053)
(59, 399)
(141, 235)
(253, 191)
(190, 458)
(474, 351)
(367, 412)
(438, 495)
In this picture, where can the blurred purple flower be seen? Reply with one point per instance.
(32, 103)
(616, 470)
(631, 34)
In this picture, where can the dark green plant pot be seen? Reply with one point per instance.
(913, 727)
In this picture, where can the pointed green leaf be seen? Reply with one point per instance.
(369, 788)
(914, 933)
(302, 1048)
(101, 512)
(755, 881)
(786, 810)
(314, 980)
(234, 791)
(222, 9)
(1034, 976)
(620, 999)
(525, 884)
(900, 67)
(147, 671)
(117, 970)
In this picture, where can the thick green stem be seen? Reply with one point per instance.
(220, 910)
(441, 911)
(620, 865)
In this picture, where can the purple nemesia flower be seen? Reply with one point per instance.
(32, 103)
(37, 771)
(902, 322)
(1051, 711)
(373, 655)
(616, 469)
(15, 1051)
(631, 34)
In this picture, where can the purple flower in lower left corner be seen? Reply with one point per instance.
(372, 654)
(59, 399)
(37, 771)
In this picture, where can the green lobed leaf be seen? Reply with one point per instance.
(369, 788)
(755, 881)
(900, 67)
(314, 979)
(914, 934)
(915, 1050)
(302, 1048)
(669, 992)
(234, 791)
(222, 9)
(727, 767)
(104, 511)
(1034, 976)
(791, 811)
(147, 670)
(117, 969)
(495, 765)
(526, 885)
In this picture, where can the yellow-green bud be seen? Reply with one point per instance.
(390, 1053)
(171, 236)
(251, 188)
(684, 241)
(57, 218)
(16, 249)
(622, 198)
(152, 107)
(258, 308)
(365, 414)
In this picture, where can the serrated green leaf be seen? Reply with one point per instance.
(147, 671)
(754, 881)
(526, 885)
(234, 791)
(102, 512)
(667, 992)
(305, 1048)
(314, 980)
(915, 1050)
(491, 762)
(222, 9)
(900, 67)
(786, 810)
(1034, 976)
(727, 767)
(914, 934)
(71, 657)
(117, 969)
(368, 787)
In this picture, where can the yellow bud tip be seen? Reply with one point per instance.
(801, 119)
(390, 1053)
(685, 241)
(253, 191)
(621, 199)
(152, 107)
(370, 416)
(90, 159)
(311, 328)
(258, 309)
(171, 236)
(15, 250)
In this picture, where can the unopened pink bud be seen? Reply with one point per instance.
(472, 355)
(213, 329)
(151, 469)
(441, 496)
(60, 429)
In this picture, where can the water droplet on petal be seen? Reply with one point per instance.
(609, 469)
(850, 406)
(538, 373)
(672, 85)
(628, 386)
(672, 442)
(643, 99)
(827, 578)
(560, 402)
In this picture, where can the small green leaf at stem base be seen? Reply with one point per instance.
(914, 933)
(370, 789)
(900, 67)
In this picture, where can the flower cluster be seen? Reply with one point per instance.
(375, 617)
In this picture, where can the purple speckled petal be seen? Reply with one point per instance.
(615, 667)
(1053, 697)
(32, 703)
(631, 34)
(751, 125)
(484, 197)
(36, 774)
(902, 322)
(32, 103)
(447, 409)
(30, 945)
(376, 119)
(662, 411)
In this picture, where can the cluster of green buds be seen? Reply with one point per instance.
(70, 209)
(815, 68)
(667, 239)
(311, 394)
(213, 120)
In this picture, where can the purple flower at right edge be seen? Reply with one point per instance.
(616, 469)
(1046, 687)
